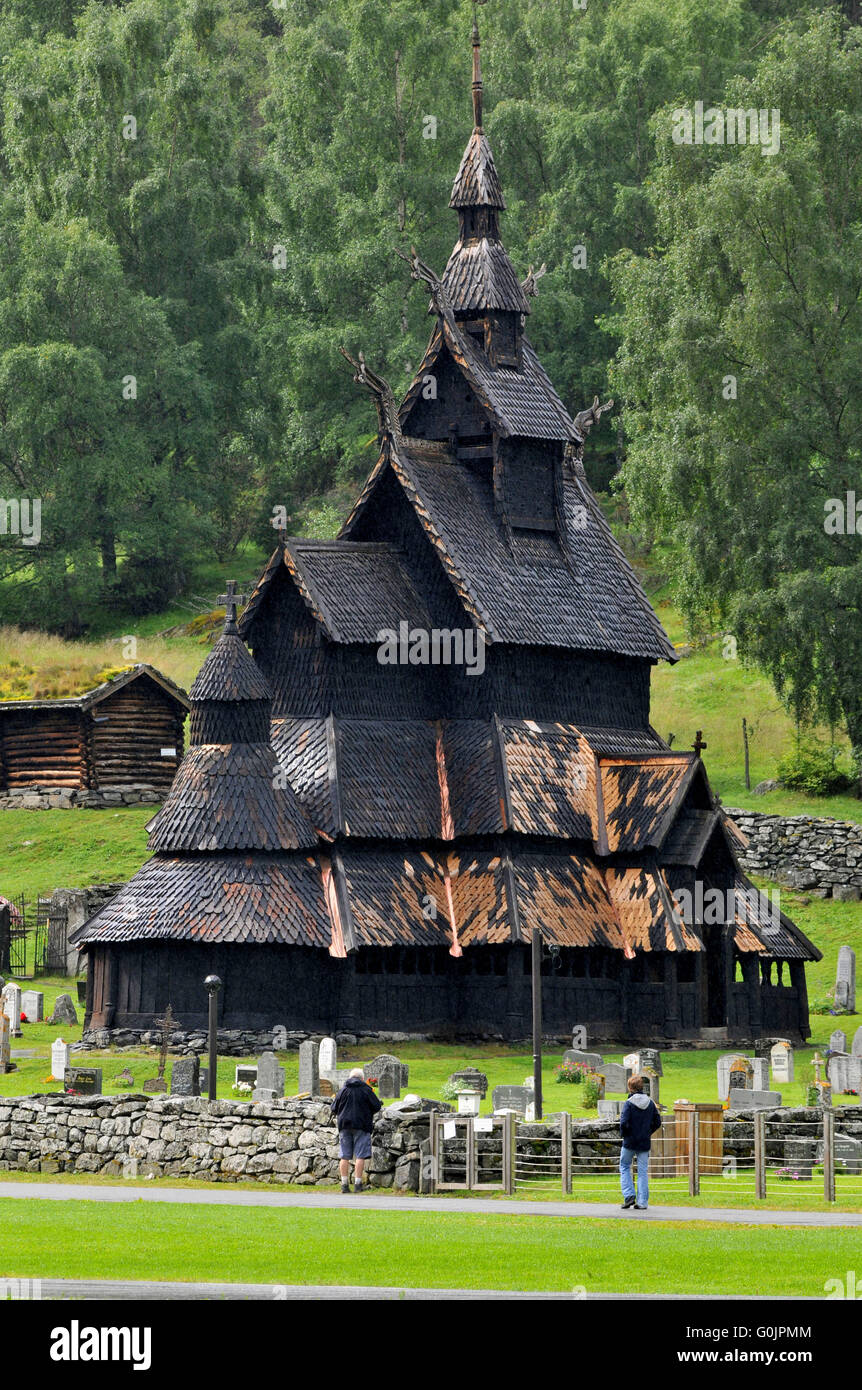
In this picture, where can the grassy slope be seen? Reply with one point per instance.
(416, 1249)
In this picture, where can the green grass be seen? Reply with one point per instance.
(413, 1249)
(44, 850)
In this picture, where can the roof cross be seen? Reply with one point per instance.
(230, 601)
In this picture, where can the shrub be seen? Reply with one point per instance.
(815, 768)
(570, 1073)
(592, 1091)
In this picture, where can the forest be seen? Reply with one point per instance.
(201, 202)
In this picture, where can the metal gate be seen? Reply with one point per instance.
(13, 938)
(51, 934)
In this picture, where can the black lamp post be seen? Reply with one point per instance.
(213, 985)
(537, 1020)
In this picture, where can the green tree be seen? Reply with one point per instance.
(741, 343)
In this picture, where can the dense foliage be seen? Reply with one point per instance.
(201, 200)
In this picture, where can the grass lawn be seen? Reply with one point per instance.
(415, 1249)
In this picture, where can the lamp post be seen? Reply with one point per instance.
(212, 984)
(537, 1020)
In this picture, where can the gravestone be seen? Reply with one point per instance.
(838, 1041)
(615, 1076)
(245, 1074)
(5, 1045)
(472, 1077)
(309, 1075)
(848, 1153)
(155, 1086)
(800, 1155)
(125, 1077)
(742, 1099)
(511, 1098)
(270, 1079)
(59, 1059)
(845, 980)
(632, 1060)
(389, 1081)
(186, 1077)
(650, 1057)
(385, 1059)
(575, 1057)
(205, 1081)
(782, 1063)
(12, 1007)
(64, 1010)
(740, 1075)
(651, 1084)
(32, 1005)
(856, 1049)
(86, 1081)
(838, 1072)
(341, 1076)
(760, 1073)
(609, 1109)
(327, 1058)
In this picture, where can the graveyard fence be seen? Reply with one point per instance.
(33, 939)
(700, 1151)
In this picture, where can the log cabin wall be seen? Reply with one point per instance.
(43, 746)
(129, 730)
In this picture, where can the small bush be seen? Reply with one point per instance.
(570, 1073)
(815, 768)
(592, 1091)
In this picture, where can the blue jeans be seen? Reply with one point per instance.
(627, 1156)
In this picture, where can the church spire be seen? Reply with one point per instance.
(479, 279)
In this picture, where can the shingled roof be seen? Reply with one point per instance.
(354, 590)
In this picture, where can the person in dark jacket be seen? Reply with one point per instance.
(354, 1108)
(638, 1123)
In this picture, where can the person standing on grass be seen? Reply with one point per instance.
(354, 1109)
(638, 1123)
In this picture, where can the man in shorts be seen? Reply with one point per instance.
(354, 1108)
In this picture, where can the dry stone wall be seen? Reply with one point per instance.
(822, 857)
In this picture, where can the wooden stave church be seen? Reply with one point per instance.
(360, 846)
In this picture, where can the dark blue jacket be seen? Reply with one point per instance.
(356, 1105)
(638, 1122)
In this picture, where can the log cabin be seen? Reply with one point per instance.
(123, 737)
(367, 826)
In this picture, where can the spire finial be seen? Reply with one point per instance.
(477, 68)
(230, 600)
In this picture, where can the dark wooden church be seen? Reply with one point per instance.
(443, 740)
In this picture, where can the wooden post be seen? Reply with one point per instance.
(745, 746)
(759, 1155)
(693, 1164)
(566, 1152)
(537, 1021)
(829, 1155)
(508, 1154)
(435, 1150)
(471, 1173)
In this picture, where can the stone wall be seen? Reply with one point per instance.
(232, 1042)
(294, 1141)
(39, 798)
(823, 857)
(219, 1141)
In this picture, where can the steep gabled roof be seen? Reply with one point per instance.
(101, 692)
(522, 403)
(354, 590)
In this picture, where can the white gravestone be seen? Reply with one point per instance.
(33, 1005)
(12, 1008)
(5, 1045)
(781, 1057)
(760, 1077)
(838, 1041)
(59, 1059)
(327, 1059)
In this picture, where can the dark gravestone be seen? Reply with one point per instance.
(205, 1081)
(186, 1077)
(511, 1098)
(385, 1059)
(156, 1086)
(86, 1081)
(473, 1078)
(270, 1079)
(64, 1010)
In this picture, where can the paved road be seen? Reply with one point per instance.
(463, 1206)
(103, 1290)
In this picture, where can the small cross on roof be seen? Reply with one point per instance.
(231, 600)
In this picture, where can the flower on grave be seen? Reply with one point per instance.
(243, 1088)
(371, 1080)
(24, 1018)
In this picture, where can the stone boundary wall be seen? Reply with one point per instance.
(295, 1141)
(219, 1141)
(231, 1042)
(43, 798)
(822, 857)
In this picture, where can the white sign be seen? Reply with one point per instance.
(169, 752)
(449, 1128)
(483, 1124)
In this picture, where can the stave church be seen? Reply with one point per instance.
(430, 736)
